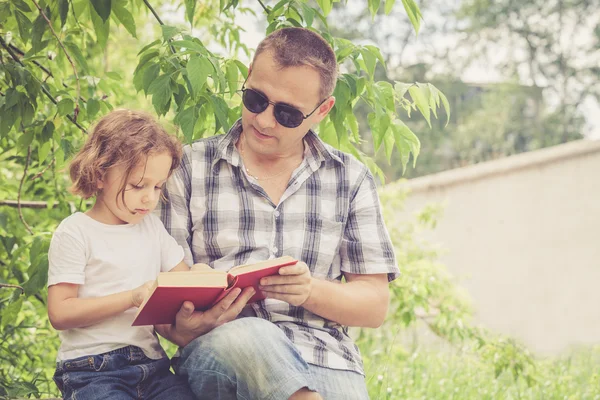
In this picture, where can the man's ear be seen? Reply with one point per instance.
(325, 108)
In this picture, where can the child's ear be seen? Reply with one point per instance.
(100, 183)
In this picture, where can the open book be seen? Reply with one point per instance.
(203, 287)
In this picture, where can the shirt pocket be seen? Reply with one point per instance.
(321, 246)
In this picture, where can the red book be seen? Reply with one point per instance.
(203, 287)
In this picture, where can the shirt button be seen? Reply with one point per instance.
(276, 214)
(274, 250)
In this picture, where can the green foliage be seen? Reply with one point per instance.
(457, 359)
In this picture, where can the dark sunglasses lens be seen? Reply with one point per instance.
(254, 101)
(288, 116)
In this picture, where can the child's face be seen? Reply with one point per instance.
(142, 191)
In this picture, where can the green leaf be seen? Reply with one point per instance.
(328, 134)
(39, 27)
(445, 103)
(38, 275)
(150, 75)
(370, 60)
(309, 14)
(47, 131)
(146, 47)
(27, 113)
(414, 14)
(10, 312)
(114, 76)
(24, 25)
(325, 5)
(220, 109)
(63, 10)
(169, 31)
(43, 151)
(190, 9)
(405, 138)
(243, 69)
(190, 45)
(401, 88)
(102, 8)
(125, 17)
(145, 58)
(198, 68)
(187, 120)
(101, 27)
(93, 106)
(373, 7)
(75, 52)
(421, 102)
(21, 5)
(232, 77)
(389, 4)
(25, 140)
(65, 106)
(377, 53)
(353, 124)
(160, 90)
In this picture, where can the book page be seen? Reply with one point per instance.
(201, 278)
(242, 269)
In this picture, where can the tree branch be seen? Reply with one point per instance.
(42, 172)
(263, 6)
(158, 19)
(21, 188)
(46, 92)
(6, 285)
(34, 204)
(76, 111)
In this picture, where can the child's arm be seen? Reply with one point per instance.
(67, 311)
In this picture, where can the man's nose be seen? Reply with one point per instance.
(266, 119)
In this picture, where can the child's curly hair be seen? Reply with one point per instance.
(124, 138)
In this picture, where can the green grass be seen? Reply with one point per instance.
(454, 375)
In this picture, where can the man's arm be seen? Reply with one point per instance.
(361, 301)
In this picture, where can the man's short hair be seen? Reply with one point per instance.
(294, 47)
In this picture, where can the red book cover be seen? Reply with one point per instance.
(203, 288)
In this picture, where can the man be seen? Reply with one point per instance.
(269, 188)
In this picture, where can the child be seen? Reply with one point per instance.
(103, 261)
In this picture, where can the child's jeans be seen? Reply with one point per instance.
(125, 373)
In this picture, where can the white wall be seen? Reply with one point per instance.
(522, 235)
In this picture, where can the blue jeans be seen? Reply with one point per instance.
(125, 373)
(251, 358)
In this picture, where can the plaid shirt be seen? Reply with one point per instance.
(328, 217)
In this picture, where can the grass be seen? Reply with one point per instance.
(453, 375)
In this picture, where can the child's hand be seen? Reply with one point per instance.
(140, 293)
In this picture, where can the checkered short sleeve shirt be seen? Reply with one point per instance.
(328, 217)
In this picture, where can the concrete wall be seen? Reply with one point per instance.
(522, 235)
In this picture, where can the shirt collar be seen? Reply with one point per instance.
(315, 150)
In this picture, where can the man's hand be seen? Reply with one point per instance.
(190, 324)
(293, 285)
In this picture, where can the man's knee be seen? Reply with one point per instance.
(244, 339)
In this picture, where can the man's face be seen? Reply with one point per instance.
(294, 86)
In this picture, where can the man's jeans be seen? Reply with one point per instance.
(251, 358)
(125, 373)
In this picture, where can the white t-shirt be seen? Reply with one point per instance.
(105, 259)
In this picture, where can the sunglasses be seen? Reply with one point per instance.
(286, 115)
